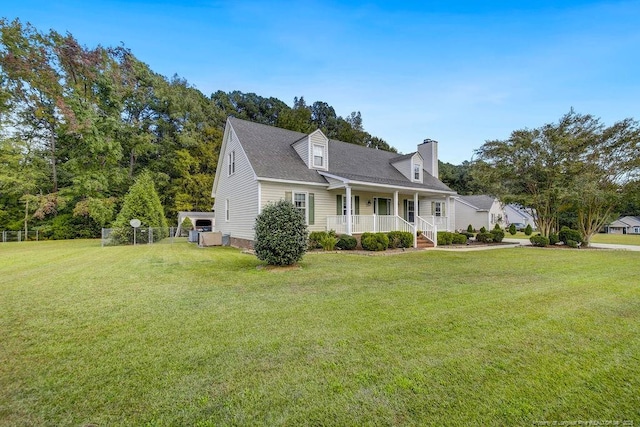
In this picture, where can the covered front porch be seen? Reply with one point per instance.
(361, 209)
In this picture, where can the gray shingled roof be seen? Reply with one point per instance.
(480, 202)
(271, 154)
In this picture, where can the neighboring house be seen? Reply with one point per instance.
(337, 186)
(479, 211)
(624, 225)
(201, 221)
(515, 214)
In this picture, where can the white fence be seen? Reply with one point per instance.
(20, 236)
(368, 223)
(137, 236)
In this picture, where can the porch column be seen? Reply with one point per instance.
(448, 213)
(415, 220)
(395, 208)
(348, 213)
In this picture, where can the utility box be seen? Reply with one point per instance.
(193, 236)
(210, 238)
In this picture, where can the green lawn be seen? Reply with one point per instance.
(175, 335)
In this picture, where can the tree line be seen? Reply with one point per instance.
(79, 124)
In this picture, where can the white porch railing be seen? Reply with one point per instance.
(429, 227)
(368, 223)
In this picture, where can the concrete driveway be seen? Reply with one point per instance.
(524, 242)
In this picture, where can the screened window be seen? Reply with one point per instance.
(232, 163)
(226, 209)
(416, 172)
(300, 202)
(318, 156)
(438, 209)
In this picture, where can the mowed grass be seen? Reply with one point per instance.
(175, 335)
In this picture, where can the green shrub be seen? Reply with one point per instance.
(281, 234)
(445, 238)
(400, 239)
(497, 235)
(483, 229)
(539, 240)
(512, 229)
(328, 242)
(374, 241)
(141, 202)
(573, 244)
(470, 229)
(459, 238)
(186, 224)
(528, 230)
(484, 237)
(468, 235)
(346, 242)
(553, 238)
(567, 234)
(497, 227)
(315, 237)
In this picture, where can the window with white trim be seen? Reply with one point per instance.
(416, 175)
(438, 208)
(300, 202)
(318, 156)
(232, 162)
(226, 210)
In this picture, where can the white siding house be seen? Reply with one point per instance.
(479, 211)
(338, 186)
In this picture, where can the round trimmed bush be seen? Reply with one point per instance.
(484, 237)
(346, 242)
(459, 239)
(540, 241)
(374, 241)
(573, 244)
(553, 239)
(470, 228)
(512, 229)
(528, 230)
(497, 235)
(567, 234)
(281, 234)
(445, 238)
(400, 239)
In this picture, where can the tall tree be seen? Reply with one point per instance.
(576, 163)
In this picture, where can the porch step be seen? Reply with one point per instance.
(424, 243)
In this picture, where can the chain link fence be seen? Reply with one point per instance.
(138, 236)
(19, 236)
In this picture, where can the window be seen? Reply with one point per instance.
(416, 172)
(438, 209)
(232, 163)
(636, 230)
(300, 202)
(318, 156)
(226, 210)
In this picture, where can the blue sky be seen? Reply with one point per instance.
(458, 72)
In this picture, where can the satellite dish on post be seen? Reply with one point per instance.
(135, 223)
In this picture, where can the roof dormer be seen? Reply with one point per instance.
(313, 149)
(410, 165)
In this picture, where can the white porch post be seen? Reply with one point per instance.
(448, 213)
(415, 220)
(348, 213)
(395, 208)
